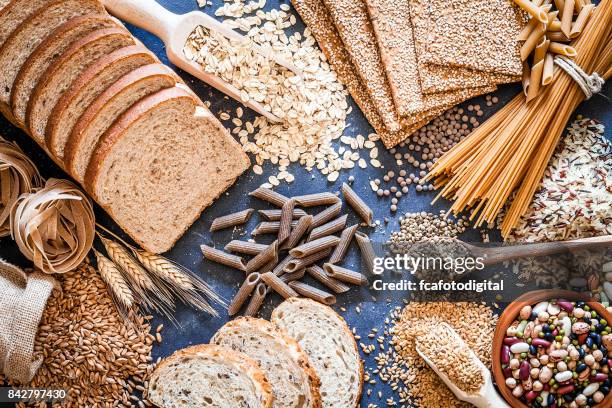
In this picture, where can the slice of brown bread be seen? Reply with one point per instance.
(107, 107)
(209, 376)
(14, 12)
(160, 164)
(84, 90)
(48, 53)
(294, 382)
(58, 77)
(331, 348)
(23, 40)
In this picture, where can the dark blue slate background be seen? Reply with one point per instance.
(198, 328)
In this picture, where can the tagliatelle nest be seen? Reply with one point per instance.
(18, 175)
(54, 226)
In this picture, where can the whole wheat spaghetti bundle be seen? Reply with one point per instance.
(509, 153)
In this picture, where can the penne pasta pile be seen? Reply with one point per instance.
(504, 160)
(301, 241)
(552, 26)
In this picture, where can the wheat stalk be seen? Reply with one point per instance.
(122, 258)
(120, 292)
(163, 268)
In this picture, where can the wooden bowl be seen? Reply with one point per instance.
(508, 316)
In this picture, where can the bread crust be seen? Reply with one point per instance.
(133, 78)
(88, 76)
(240, 360)
(290, 344)
(345, 327)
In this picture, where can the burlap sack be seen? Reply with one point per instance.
(22, 301)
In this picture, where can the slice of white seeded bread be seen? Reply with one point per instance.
(107, 107)
(24, 39)
(48, 53)
(58, 77)
(209, 376)
(331, 348)
(294, 381)
(91, 83)
(160, 164)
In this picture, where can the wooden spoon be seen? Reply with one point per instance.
(174, 29)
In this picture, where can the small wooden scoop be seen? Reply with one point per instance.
(487, 396)
(174, 29)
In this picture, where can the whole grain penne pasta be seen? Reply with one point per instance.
(328, 228)
(532, 41)
(344, 275)
(345, 242)
(579, 5)
(313, 293)
(270, 196)
(290, 277)
(548, 71)
(275, 215)
(280, 268)
(243, 293)
(245, 247)
(360, 207)
(316, 199)
(326, 215)
(552, 17)
(562, 49)
(231, 220)
(256, 300)
(535, 81)
(526, 77)
(303, 226)
(284, 229)
(218, 256)
(269, 227)
(532, 23)
(560, 5)
(277, 285)
(581, 20)
(319, 274)
(367, 250)
(534, 10)
(557, 36)
(567, 16)
(554, 26)
(540, 50)
(263, 257)
(270, 265)
(296, 264)
(312, 247)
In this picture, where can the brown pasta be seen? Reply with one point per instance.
(271, 196)
(245, 247)
(360, 207)
(296, 264)
(319, 274)
(562, 49)
(345, 275)
(280, 268)
(549, 67)
(329, 228)
(270, 265)
(243, 293)
(312, 247)
(535, 81)
(284, 230)
(263, 257)
(528, 29)
(256, 300)
(345, 242)
(290, 277)
(316, 199)
(367, 250)
(326, 215)
(532, 41)
(269, 227)
(535, 11)
(223, 258)
(567, 15)
(581, 20)
(231, 220)
(275, 215)
(313, 293)
(526, 77)
(303, 226)
(278, 285)
(557, 36)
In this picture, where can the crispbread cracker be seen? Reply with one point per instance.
(475, 34)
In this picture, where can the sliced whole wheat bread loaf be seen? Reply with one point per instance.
(106, 108)
(331, 348)
(209, 376)
(160, 164)
(22, 42)
(60, 76)
(84, 90)
(14, 12)
(48, 53)
(293, 380)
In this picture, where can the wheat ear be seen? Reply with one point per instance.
(120, 292)
(163, 268)
(128, 264)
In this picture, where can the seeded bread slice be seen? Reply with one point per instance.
(294, 382)
(326, 339)
(58, 77)
(84, 90)
(22, 42)
(48, 53)
(160, 164)
(14, 12)
(209, 376)
(107, 107)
